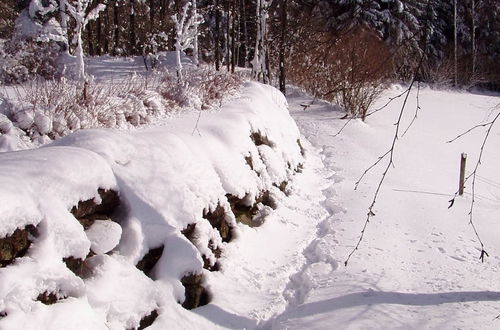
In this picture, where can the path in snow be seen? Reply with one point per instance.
(417, 267)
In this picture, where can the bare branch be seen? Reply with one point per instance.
(416, 110)
(389, 153)
(473, 175)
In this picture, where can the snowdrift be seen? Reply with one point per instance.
(108, 229)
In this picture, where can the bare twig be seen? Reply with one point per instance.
(387, 103)
(473, 175)
(354, 116)
(416, 110)
(390, 154)
(195, 129)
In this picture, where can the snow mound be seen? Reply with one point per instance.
(126, 259)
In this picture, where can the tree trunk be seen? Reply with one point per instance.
(217, 36)
(152, 10)
(90, 39)
(133, 41)
(473, 15)
(233, 37)
(106, 32)
(282, 69)
(117, 28)
(245, 35)
(455, 62)
(227, 35)
(99, 36)
(64, 23)
(195, 41)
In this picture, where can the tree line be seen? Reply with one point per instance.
(333, 48)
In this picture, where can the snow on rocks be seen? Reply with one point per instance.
(103, 236)
(135, 259)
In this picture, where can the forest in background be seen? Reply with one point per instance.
(339, 50)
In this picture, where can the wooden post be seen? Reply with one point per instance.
(463, 159)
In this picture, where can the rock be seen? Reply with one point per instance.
(78, 266)
(5, 124)
(48, 298)
(148, 320)
(302, 150)
(16, 245)
(86, 212)
(189, 233)
(43, 123)
(104, 236)
(247, 214)
(147, 263)
(217, 219)
(259, 139)
(196, 294)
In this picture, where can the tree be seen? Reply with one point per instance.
(260, 62)
(81, 13)
(186, 29)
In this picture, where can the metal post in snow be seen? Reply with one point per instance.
(463, 159)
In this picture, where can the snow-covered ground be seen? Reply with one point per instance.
(417, 266)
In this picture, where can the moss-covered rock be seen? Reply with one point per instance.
(246, 214)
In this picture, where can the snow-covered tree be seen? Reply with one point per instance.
(186, 30)
(79, 11)
(260, 63)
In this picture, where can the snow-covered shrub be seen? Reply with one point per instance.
(24, 59)
(202, 88)
(34, 48)
(49, 109)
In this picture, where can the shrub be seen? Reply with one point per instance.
(349, 69)
(54, 108)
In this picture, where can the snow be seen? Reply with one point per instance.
(104, 236)
(417, 266)
(166, 177)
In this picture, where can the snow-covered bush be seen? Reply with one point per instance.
(34, 48)
(23, 59)
(49, 109)
(202, 88)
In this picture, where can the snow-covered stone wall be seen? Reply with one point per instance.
(108, 229)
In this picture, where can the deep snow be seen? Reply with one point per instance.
(417, 267)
